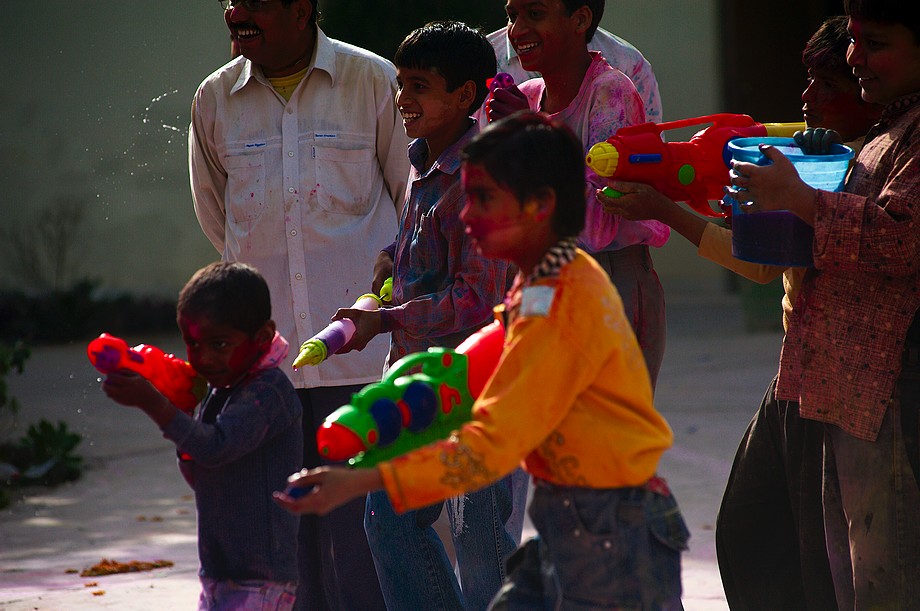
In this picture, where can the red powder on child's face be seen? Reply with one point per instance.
(220, 353)
(492, 213)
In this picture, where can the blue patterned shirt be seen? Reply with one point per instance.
(443, 289)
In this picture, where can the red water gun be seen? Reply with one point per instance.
(695, 171)
(169, 374)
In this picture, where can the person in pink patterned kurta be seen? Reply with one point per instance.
(581, 89)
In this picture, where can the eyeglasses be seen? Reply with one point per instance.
(252, 6)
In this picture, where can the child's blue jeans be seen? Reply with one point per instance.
(616, 548)
(412, 564)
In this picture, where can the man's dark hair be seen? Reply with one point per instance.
(529, 153)
(231, 294)
(904, 12)
(456, 51)
(597, 11)
(827, 47)
(314, 14)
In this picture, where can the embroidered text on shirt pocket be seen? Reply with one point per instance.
(344, 179)
(245, 187)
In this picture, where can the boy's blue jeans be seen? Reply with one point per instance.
(613, 548)
(412, 564)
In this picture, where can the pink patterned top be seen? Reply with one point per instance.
(606, 101)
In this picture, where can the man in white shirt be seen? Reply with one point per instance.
(618, 53)
(297, 160)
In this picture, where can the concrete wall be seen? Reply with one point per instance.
(95, 107)
(680, 39)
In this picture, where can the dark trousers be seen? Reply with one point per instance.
(770, 539)
(632, 271)
(336, 567)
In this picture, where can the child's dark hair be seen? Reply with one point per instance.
(528, 153)
(231, 294)
(827, 47)
(904, 12)
(456, 51)
(597, 11)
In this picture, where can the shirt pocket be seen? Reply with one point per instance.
(245, 186)
(344, 179)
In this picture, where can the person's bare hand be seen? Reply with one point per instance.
(505, 101)
(636, 202)
(775, 186)
(326, 489)
(131, 389)
(367, 327)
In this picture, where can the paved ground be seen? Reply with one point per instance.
(132, 504)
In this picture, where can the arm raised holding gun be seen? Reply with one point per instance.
(406, 411)
(694, 171)
(340, 331)
(169, 374)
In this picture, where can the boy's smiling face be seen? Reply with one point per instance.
(542, 32)
(885, 58)
(428, 110)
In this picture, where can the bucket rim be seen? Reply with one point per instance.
(748, 145)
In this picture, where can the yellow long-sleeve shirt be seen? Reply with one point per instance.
(571, 397)
(716, 245)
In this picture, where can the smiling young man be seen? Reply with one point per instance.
(297, 164)
(594, 100)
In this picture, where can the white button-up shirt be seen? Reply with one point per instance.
(304, 190)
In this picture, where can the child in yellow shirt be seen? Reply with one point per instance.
(571, 397)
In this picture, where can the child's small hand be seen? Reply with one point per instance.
(331, 487)
(505, 101)
(776, 186)
(131, 389)
(636, 202)
(367, 327)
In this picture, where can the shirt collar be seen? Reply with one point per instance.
(892, 112)
(323, 59)
(449, 161)
(554, 260)
(899, 106)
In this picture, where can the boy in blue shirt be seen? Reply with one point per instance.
(242, 442)
(443, 290)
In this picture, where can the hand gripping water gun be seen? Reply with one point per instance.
(169, 374)
(405, 410)
(693, 171)
(337, 333)
(499, 81)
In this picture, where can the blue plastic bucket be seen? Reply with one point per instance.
(778, 237)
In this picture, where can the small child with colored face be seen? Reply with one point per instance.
(241, 444)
